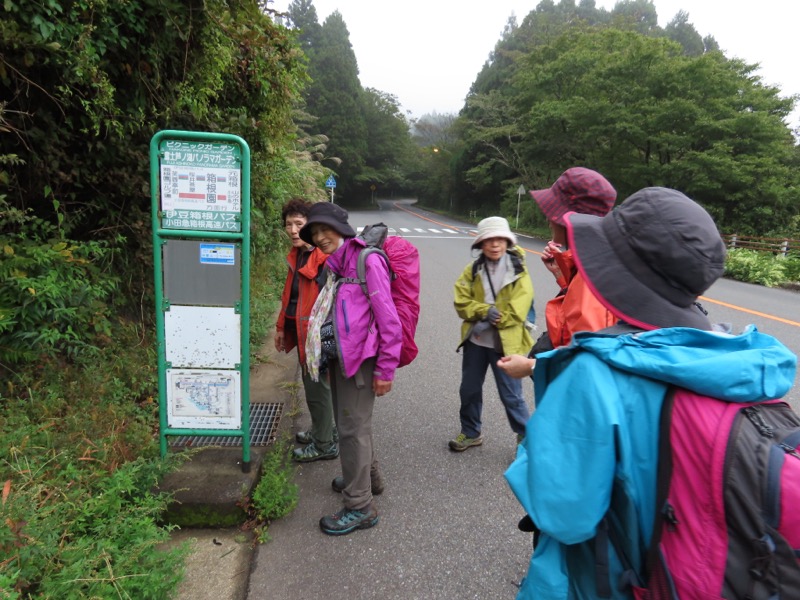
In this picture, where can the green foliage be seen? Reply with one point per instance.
(54, 295)
(85, 533)
(571, 86)
(88, 83)
(276, 494)
(389, 146)
(752, 266)
(267, 274)
(791, 269)
(79, 465)
(335, 98)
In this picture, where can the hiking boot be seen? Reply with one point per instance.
(349, 519)
(311, 453)
(376, 482)
(462, 442)
(305, 437)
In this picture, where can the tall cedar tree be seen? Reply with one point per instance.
(389, 145)
(335, 98)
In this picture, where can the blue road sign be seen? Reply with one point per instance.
(330, 182)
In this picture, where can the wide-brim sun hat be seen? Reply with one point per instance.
(649, 259)
(327, 213)
(492, 227)
(579, 190)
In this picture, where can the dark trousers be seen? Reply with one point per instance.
(473, 373)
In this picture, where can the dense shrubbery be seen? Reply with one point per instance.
(762, 268)
(85, 87)
(56, 293)
(78, 465)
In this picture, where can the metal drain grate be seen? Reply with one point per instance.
(264, 420)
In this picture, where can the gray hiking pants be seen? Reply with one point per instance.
(353, 401)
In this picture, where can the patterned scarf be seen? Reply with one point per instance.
(319, 314)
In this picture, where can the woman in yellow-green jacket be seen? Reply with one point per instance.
(493, 297)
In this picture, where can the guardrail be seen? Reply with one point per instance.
(782, 246)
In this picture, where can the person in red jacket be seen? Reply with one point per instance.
(300, 291)
(575, 308)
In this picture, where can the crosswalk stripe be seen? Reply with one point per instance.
(406, 230)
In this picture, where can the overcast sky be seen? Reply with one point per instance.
(427, 53)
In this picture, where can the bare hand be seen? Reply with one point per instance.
(549, 258)
(279, 341)
(381, 387)
(516, 365)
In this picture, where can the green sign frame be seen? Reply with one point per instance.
(200, 190)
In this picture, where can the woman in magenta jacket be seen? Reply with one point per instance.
(357, 342)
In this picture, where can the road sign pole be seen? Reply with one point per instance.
(330, 182)
(520, 191)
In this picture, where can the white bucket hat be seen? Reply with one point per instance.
(492, 227)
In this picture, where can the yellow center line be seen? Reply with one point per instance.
(747, 310)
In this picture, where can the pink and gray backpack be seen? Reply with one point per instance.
(402, 259)
(728, 503)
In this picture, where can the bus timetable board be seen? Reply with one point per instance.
(200, 192)
(201, 186)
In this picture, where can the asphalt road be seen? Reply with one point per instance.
(448, 521)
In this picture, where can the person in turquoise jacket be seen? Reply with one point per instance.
(598, 401)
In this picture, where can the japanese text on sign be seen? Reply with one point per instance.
(200, 186)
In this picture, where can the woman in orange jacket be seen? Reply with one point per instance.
(575, 308)
(300, 291)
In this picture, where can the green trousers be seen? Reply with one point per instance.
(320, 407)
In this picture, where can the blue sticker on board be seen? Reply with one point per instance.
(217, 254)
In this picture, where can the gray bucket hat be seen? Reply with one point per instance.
(650, 258)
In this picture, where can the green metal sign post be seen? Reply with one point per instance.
(200, 190)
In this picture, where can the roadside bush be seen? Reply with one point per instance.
(54, 295)
(755, 267)
(276, 495)
(83, 532)
(791, 268)
(78, 463)
(80, 520)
